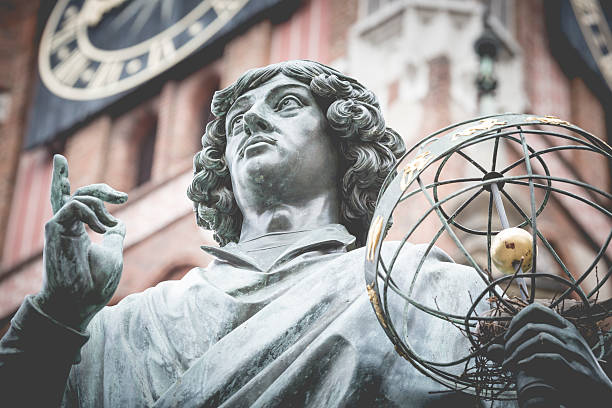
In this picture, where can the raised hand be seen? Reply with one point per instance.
(543, 347)
(80, 277)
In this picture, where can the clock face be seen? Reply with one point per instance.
(92, 49)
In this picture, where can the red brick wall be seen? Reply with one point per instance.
(86, 152)
(30, 207)
(547, 88)
(588, 113)
(551, 92)
(436, 104)
(249, 50)
(343, 14)
(17, 32)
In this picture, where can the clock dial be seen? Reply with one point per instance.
(97, 48)
(131, 22)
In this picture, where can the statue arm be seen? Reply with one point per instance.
(36, 356)
(79, 278)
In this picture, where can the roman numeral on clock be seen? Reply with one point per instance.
(69, 70)
(66, 34)
(225, 6)
(107, 73)
(161, 51)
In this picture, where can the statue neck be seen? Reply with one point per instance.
(315, 212)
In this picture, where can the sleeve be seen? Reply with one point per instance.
(36, 355)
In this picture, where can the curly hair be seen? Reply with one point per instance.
(368, 148)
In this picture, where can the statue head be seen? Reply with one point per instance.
(367, 149)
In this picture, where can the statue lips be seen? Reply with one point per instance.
(253, 140)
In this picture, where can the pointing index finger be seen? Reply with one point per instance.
(60, 186)
(104, 192)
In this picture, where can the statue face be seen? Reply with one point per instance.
(278, 142)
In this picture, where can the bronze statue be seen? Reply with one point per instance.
(287, 178)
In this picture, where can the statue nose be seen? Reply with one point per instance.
(255, 123)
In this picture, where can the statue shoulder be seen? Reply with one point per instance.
(433, 266)
(161, 295)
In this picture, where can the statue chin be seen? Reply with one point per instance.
(265, 166)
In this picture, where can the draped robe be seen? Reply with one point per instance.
(297, 332)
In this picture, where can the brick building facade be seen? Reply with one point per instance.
(417, 56)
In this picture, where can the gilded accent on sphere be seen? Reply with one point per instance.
(417, 164)
(374, 237)
(484, 124)
(551, 120)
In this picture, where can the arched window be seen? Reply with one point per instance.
(145, 153)
(131, 150)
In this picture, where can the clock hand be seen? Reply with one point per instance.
(93, 10)
(143, 16)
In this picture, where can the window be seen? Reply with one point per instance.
(145, 153)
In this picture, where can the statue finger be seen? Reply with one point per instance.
(495, 352)
(60, 186)
(99, 209)
(551, 363)
(543, 343)
(530, 330)
(535, 313)
(76, 211)
(104, 192)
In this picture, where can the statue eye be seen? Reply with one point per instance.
(236, 125)
(289, 102)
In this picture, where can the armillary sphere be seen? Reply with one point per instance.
(503, 195)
